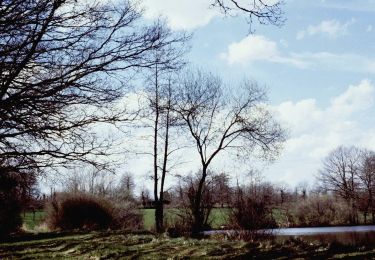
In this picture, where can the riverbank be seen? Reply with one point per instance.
(145, 245)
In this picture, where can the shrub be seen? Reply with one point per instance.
(78, 211)
(126, 216)
(14, 188)
(320, 211)
(10, 214)
(181, 226)
(251, 210)
(84, 211)
(252, 215)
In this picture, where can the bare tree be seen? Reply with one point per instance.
(160, 96)
(340, 174)
(367, 178)
(303, 187)
(265, 11)
(126, 185)
(165, 120)
(220, 119)
(221, 189)
(64, 66)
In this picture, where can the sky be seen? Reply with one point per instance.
(318, 67)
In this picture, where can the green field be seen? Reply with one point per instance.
(32, 220)
(218, 217)
(143, 245)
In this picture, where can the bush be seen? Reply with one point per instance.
(10, 214)
(13, 187)
(126, 216)
(252, 215)
(84, 211)
(320, 211)
(181, 226)
(78, 211)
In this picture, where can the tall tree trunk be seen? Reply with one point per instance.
(198, 217)
(159, 211)
(156, 127)
(159, 215)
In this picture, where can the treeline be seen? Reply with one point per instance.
(342, 195)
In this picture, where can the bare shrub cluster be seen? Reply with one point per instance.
(89, 212)
(321, 210)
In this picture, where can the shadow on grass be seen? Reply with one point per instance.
(120, 244)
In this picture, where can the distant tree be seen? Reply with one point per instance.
(126, 185)
(222, 191)
(145, 198)
(302, 188)
(367, 179)
(340, 174)
(220, 119)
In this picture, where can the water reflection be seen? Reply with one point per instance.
(356, 236)
(349, 235)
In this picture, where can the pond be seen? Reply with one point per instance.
(321, 230)
(348, 235)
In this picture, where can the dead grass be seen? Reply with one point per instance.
(143, 245)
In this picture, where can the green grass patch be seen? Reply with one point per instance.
(32, 220)
(219, 217)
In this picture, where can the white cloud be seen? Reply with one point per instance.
(181, 14)
(315, 131)
(256, 48)
(369, 28)
(330, 28)
(251, 48)
(356, 98)
(339, 62)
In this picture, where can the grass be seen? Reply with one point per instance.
(32, 220)
(144, 245)
(218, 217)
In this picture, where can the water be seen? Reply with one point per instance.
(348, 235)
(321, 230)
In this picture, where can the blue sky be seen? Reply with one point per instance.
(319, 68)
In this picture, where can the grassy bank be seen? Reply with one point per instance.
(115, 245)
